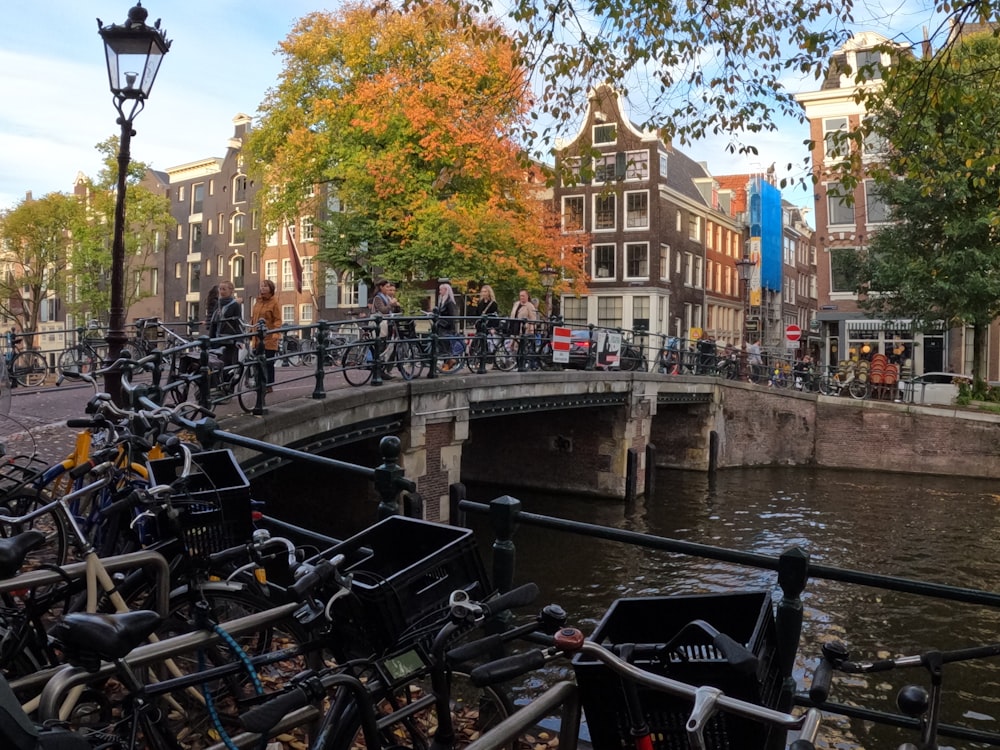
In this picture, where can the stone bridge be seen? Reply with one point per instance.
(600, 433)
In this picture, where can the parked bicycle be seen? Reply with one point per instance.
(84, 356)
(25, 367)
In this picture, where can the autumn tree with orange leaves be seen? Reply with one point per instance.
(407, 121)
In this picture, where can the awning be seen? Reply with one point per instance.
(879, 325)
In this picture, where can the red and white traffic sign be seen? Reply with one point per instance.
(792, 335)
(560, 344)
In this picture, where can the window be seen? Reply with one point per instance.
(604, 212)
(838, 210)
(688, 269)
(606, 168)
(609, 312)
(843, 270)
(307, 274)
(211, 187)
(640, 312)
(177, 270)
(222, 223)
(605, 133)
(874, 145)
(572, 213)
(195, 240)
(308, 229)
(868, 65)
(663, 165)
(255, 219)
(271, 269)
(679, 224)
(239, 266)
(254, 262)
(209, 227)
(664, 262)
(197, 197)
(177, 308)
(180, 231)
(194, 277)
(574, 311)
(288, 315)
(287, 278)
(835, 138)
(604, 261)
(180, 194)
(637, 165)
(877, 211)
(694, 228)
(698, 272)
(347, 290)
(637, 210)
(239, 229)
(306, 312)
(220, 265)
(637, 260)
(240, 188)
(154, 281)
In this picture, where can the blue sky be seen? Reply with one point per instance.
(57, 107)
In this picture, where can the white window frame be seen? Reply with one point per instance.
(305, 313)
(614, 212)
(872, 200)
(631, 247)
(602, 127)
(288, 315)
(835, 151)
(271, 269)
(629, 223)
(613, 271)
(835, 204)
(637, 165)
(582, 200)
(664, 262)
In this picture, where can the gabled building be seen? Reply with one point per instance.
(652, 215)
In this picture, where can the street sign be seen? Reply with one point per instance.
(793, 333)
(753, 325)
(560, 344)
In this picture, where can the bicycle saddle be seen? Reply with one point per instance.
(13, 550)
(87, 637)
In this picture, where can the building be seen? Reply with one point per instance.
(663, 238)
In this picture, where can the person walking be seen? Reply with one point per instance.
(525, 314)
(266, 308)
(227, 320)
(385, 304)
(447, 310)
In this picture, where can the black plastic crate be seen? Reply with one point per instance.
(214, 475)
(746, 617)
(404, 571)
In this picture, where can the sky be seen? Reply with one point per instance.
(57, 106)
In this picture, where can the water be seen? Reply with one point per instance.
(930, 528)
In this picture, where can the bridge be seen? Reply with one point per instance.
(602, 433)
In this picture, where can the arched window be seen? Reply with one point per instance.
(239, 229)
(348, 289)
(239, 264)
(239, 188)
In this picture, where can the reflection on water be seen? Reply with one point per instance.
(930, 528)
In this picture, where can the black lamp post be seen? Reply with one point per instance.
(134, 52)
(744, 268)
(548, 274)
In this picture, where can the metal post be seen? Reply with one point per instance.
(116, 322)
(318, 391)
(387, 477)
(793, 572)
(503, 516)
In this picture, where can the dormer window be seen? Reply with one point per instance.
(605, 134)
(868, 64)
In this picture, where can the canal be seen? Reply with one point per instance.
(930, 528)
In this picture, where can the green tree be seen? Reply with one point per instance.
(939, 259)
(36, 237)
(409, 119)
(87, 287)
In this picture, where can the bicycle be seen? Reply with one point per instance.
(394, 352)
(26, 368)
(921, 708)
(82, 358)
(625, 713)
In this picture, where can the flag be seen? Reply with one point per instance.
(296, 261)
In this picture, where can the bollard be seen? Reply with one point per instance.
(650, 470)
(260, 385)
(387, 477)
(631, 475)
(320, 339)
(503, 517)
(456, 494)
(713, 451)
(793, 572)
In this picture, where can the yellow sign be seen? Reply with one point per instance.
(695, 333)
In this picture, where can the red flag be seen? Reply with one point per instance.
(293, 256)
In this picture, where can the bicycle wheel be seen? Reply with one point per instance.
(29, 369)
(22, 502)
(250, 375)
(357, 363)
(228, 602)
(75, 361)
(407, 356)
(858, 389)
(505, 356)
(473, 711)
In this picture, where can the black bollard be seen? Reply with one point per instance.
(503, 516)
(388, 477)
(318, 391)
(456, 494)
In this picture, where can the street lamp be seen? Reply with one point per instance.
(134, 52)
(744, 269)
(548, 274)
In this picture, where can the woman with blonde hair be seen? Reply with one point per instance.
(447, 310)
(487, 302)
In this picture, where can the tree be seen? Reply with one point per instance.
(409, 120)
(36, 243)
(939, 259)
(87, 287)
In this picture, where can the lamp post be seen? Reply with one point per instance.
(548, 274)
(744, 268)
(134, 52)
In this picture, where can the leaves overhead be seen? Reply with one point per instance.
(408, 118)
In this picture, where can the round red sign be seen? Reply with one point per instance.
(793, 333)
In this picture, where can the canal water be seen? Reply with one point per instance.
(930, 528)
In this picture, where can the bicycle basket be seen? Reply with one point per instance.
(746, 617)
